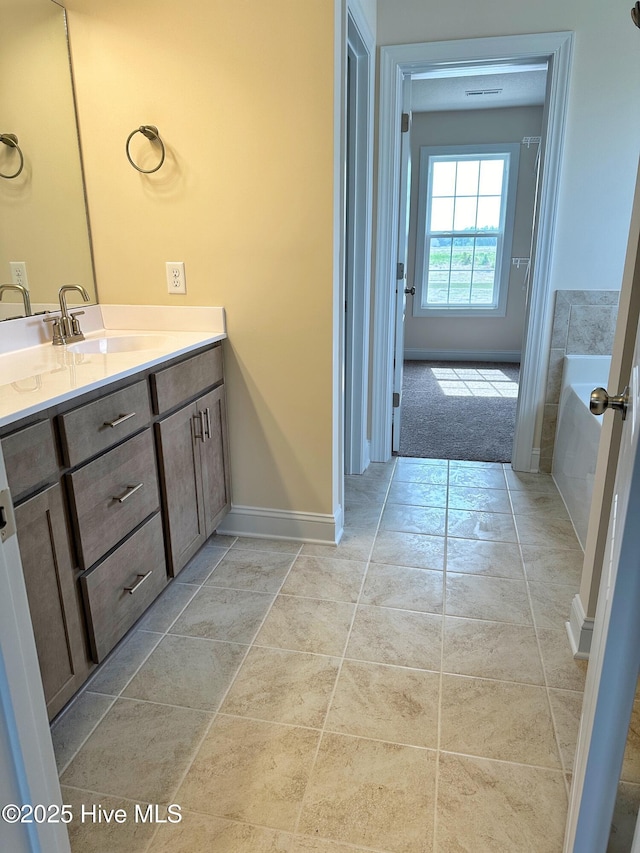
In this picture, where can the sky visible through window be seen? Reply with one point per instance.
(472, 382)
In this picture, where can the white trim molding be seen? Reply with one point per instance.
(268, 523)
(579, 629)
(461, 355)
(396, 61)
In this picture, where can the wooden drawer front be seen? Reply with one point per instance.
(113, 494)
(96, 426)
(183, 381)
(111, 609)
(30, 458)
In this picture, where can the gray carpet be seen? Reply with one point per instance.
(457, 425)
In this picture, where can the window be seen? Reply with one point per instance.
(465, 224)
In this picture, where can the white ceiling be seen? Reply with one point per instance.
(521, 89)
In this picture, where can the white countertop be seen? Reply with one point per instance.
(40, 375)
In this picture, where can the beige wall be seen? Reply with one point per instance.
(242, 93)
(464, 128)
(42, 211)
(603, 124)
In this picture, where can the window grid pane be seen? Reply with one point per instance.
(465, 199)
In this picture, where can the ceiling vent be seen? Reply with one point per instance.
(483, 91)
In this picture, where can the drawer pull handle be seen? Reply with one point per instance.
(140, 580)
(131, 490)
(208, 423)
(120, 420)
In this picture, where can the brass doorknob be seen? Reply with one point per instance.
(600, 401)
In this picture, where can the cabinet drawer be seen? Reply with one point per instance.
(30, 458)
(94, 427)
(118, 591)
(174, 385)
(112, 495)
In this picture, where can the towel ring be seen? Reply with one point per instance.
(151, 133)
(11, 140)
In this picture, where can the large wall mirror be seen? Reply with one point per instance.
(43, 216)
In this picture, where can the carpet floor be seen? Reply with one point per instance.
(456, 410)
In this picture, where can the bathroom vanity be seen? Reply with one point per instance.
(117, 460)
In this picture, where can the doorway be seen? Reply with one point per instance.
(396, 63)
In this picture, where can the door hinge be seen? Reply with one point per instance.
(7, 518)
(400, 271)
(396, 399)
(406, 119)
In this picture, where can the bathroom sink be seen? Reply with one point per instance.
(121, 343)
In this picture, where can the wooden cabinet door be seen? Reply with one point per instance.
(54, 600)
(181, 485)
(214, 457)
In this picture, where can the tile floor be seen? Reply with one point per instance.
(411, 690)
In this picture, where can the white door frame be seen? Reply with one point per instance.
(361, 48)
(395, 61)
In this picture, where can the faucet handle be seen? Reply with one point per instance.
(75, 325)
(58, 340)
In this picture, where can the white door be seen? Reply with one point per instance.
(615, 651)
(403, 247)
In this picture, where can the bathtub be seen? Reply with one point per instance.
(577, 435)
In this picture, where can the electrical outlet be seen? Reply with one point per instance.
(19, 273)
(176, 282)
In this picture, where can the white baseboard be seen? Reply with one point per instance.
(580, 630)
(461, 355)
(266, 523)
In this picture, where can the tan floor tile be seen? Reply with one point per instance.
(280, 546)
(493, 526)
(417, 494)
(552, 565)
(431, 472)
(414, 519)
(551, 603)
(257, 770)
(200, 567)
(223, 614)
(76, 724)
(475, 463)
(476, 557)
(187, 671)
(547, 532)
(283, 687)
(363, 515)
(355, 545)
(167, 607)
(566, 706)
(518, 481)
(539, 504)
(481, 597)
(492, 807)
(404, 588)
(370, 793)
(561, 669)
(323, 577)
(307, 625)
(364, 490)
(302, 844)
(409, 549)
(260, 571)
(477, 478)
(197, 833)
(399, 637)
(491, 650)
(118, 669)
(386, 703)
(480, 500)
(92, 836)
(496, 719)
(139, 751)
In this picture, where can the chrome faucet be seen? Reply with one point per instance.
(66, 327)
(22, 290)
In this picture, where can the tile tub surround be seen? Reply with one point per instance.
(584, 323)
(402, 692)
